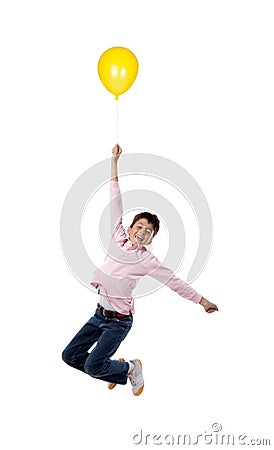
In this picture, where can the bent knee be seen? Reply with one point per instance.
(67, 357)
(93, 368)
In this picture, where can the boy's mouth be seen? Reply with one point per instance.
(138, 238)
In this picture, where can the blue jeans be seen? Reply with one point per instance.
(108, 333)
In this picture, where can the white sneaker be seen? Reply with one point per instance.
(136, 377)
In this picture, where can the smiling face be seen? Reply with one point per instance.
(141, 233)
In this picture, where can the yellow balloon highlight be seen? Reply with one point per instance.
(117, 69)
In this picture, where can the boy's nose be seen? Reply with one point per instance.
(144, 233)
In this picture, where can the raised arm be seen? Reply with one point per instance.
(116, 204)
(116, 152)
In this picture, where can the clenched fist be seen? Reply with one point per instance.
(116, 152)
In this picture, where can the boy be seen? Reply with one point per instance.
(127, 261)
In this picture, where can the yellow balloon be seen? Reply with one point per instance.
(117, 69)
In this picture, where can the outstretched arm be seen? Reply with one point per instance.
(166, 276)
(116, 152)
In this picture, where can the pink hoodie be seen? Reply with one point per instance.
(126, 263)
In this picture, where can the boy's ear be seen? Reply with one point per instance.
(128, 230)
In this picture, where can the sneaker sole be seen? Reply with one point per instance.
(141, 388)
(112, 385)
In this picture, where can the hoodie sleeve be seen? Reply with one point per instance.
(166, 276)
(116, 212)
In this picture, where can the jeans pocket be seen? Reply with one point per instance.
(125, 322)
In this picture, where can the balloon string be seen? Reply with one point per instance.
(117, 122)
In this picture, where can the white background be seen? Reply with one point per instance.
(203, 98)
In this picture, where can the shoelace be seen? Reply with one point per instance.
(132, 379)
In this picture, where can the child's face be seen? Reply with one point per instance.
(141, 233)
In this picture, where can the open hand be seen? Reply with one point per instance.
(116, 152)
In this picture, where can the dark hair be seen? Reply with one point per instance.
(151, 218)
